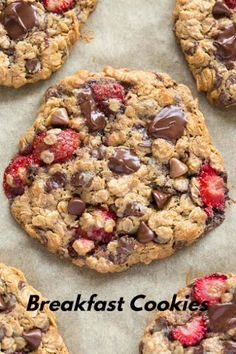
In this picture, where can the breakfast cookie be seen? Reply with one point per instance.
(206, 30)
(118, 168)
(35, 37)
(209, 329)
(21, 331)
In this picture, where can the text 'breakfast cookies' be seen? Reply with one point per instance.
(197, 332)
(118, 168)
(206, 30)
(35, 37)
(22, 331)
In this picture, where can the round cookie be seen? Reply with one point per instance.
(207, 33)
(118, 168)
(207, 330)
(22, 331)
(35, 37)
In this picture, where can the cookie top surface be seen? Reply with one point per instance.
(118, 168)
(35, 37)
(208, 329)
(21, 331)
(206, 30)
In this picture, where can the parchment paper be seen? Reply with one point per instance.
(136, 34)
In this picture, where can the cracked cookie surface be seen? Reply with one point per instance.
(200, 331)
(206, 31)
(117, 169)
(21, 331)
(35, 37)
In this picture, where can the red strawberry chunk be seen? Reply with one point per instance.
(209, 288)
(99, 235)
(64, 146)
(104, 90)
(16, 175)
(231, 3)
(212, 189)
(192, 332)
(58, 6)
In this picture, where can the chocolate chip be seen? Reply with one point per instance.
(95, 119)
(98, 153)
(19, 18)
(57, 180)
(134, 209)
(144, 234)
(177, 168)
(33, 65)
(53, 91)
(220, 9)
(160, 198)
(124, 161)
(60, 118)
(226, 43)
(33, 338)
(222, 316)
(168, 124)
(7, 303)
(96, 122)
(86, 102)
(3, 304)
(81, 179)
(76, 206)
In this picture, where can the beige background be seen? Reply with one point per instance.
(138, 34)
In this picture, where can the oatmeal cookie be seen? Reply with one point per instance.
(210, 329)
(118, 168)
(206, 30)
(36, 35)
(21, 331)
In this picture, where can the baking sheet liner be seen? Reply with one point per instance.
(136, 34)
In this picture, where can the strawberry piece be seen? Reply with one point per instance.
(192, 332)
(209, 288)
(58, 6)
(231, 3)
(99, 235)
(104, 90)
(67, 141)
(212, 189)
(16, 175)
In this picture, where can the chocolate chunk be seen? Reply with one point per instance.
(222, 317)
(230, 347)
(81, 179)
(168, 124)
(145, 234)
(226, 44)
(177, 168)
(53, 91)
(59, 118)
(58, 180)
(96, 122)
(220, 9)
(98, 153)
(124, 161)
(19, 18)
(86, 102)
(33, 338)
(76, 206)
(32, 65)
(3, 304)
(161, 198)
(134, 209)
